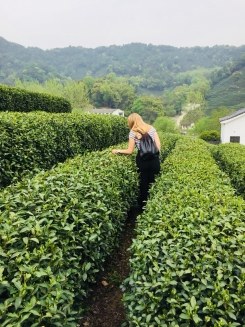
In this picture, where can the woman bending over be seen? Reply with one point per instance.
(147, 168)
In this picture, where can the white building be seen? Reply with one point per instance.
(233, 127)
(108, 111)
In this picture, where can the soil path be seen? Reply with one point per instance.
(105, 308)
(178, 118)
(187, 108)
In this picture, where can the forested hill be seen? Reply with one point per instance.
(154, 65)
(228, 89)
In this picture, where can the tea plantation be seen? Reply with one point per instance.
(188, 259)
(63, 211)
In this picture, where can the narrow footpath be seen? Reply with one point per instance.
(104, 304)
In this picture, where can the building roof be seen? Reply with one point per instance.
(233, 115)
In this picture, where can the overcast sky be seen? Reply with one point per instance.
(49, 24)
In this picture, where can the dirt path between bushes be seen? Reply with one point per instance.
(104, 305)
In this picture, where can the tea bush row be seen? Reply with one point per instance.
(34, 141)
(16, 99)
(231, 158)
(56, 231)
(188, 259)
(168, 141)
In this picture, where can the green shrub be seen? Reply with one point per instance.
(168, 141)
(210, 136)
(56, 231)
(187, 264)
(16, 99)
(38, 140)
(231, 158)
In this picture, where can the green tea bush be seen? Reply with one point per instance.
(34, 141)
(210, 136)
(16, 99)
(231, 158)
(168, 141)
(188, 259)
(56, 231)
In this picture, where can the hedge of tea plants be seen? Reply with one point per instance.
(231, 158)
(168, 141)
(56, 231)
(188, 259)
(16, 99)
(31, 141)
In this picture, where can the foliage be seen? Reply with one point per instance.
(228, 69)
(149, 107)
(192, 94)
(210, 136)
(228, 88)
(168, 142)
(155, 68)
(147, 102)
(231, 158)
(57, 230)
(38, 140)
(148, 69)
(16, 99)
(191, 117)
(165, 125)
(187, 262)
(112, 92)
(75, 92)
(109, 91)
(175, 100)
(211, 123)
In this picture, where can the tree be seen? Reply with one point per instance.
(75, 92)
(165, 124)
(211, 123)
(149, 107)
(192, 117)
(112, 92)
(175, 100)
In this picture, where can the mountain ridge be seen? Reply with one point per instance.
(156, 62)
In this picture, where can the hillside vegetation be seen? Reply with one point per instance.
(153, 81)
(155, 67)
(229, 92)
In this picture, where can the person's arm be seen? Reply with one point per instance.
(129, 150)
(157, 141)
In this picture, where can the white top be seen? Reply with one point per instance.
(132, 135)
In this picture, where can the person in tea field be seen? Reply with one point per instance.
(148, 165)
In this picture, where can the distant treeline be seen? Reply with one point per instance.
(151, 67)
